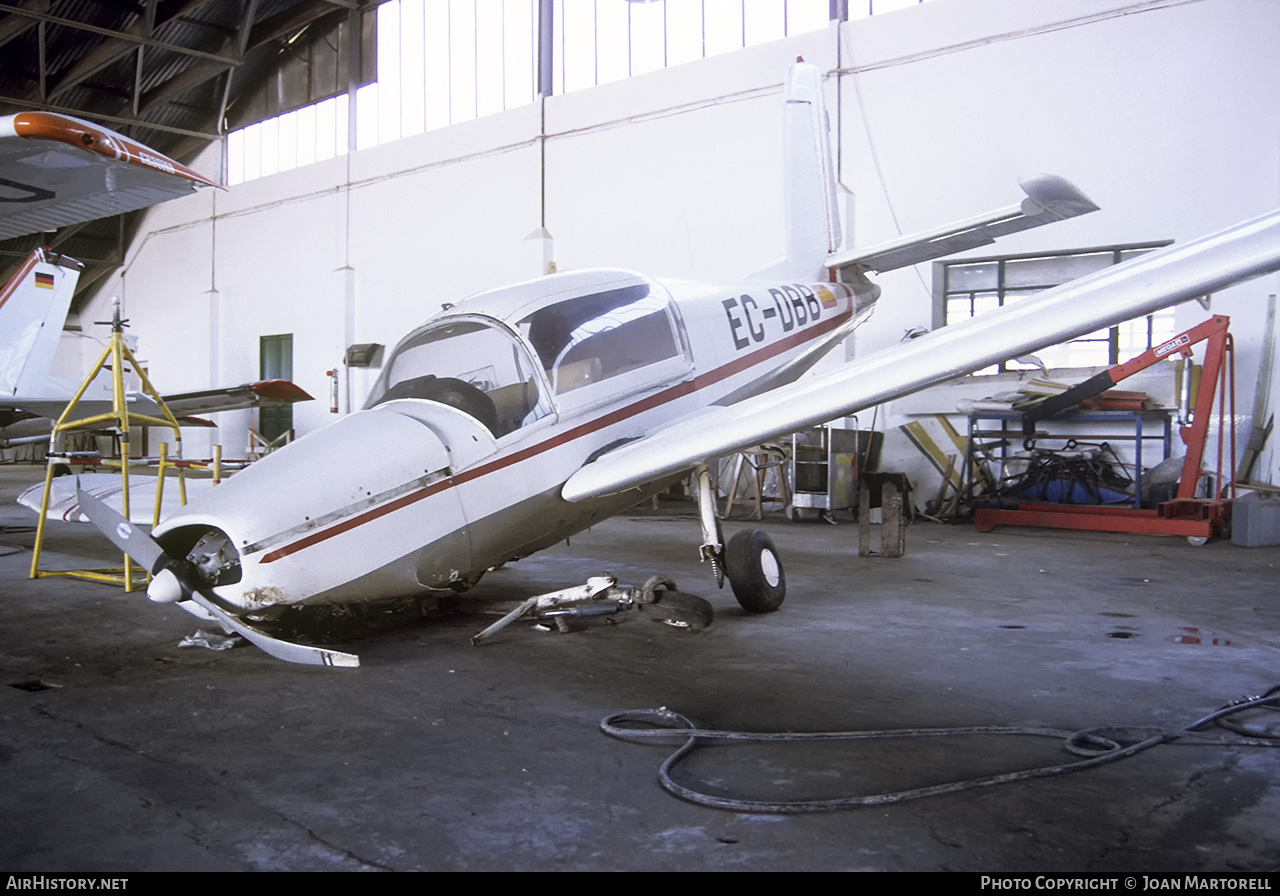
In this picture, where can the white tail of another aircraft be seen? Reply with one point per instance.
(33, 308)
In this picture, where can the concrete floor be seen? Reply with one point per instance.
(436, 755)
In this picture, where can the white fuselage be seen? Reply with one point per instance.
(416, 493)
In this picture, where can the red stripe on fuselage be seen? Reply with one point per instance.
(658, 399)
(351, 522)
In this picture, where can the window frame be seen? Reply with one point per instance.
(943, 296)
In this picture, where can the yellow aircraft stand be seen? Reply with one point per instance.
(119, 419)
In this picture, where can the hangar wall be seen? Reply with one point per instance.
(1163, 112)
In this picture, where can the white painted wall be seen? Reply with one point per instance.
(1165, 113)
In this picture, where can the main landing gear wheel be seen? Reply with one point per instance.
(755, 571)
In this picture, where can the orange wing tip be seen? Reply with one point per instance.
(101, 141)
(280, 390)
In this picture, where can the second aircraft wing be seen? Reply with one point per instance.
(57, 170)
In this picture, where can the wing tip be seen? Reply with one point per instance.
(1055, 196)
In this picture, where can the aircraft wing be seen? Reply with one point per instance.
(1141, 286)
(57, 170)
(64, 502)
(248, 395)
(1049, 198)
(49, 408)
(182, 405)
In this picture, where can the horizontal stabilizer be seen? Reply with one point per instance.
(1049, 198)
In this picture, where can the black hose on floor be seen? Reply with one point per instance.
(1095, 746)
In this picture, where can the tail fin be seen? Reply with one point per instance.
(809, 188)
(33, 308)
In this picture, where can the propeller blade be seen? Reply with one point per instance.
(123, 534)
(288, 651)
(147, 551)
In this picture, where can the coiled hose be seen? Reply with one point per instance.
(1096, 746)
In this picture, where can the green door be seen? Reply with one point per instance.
(275, 354)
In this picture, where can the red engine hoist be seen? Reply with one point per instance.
(1196, 518)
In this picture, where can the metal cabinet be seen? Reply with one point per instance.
(824, 468)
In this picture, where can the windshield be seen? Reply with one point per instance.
(592, 338)
(473, 366)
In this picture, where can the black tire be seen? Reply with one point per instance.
(680, 610)
(662, 602)
(755, 571)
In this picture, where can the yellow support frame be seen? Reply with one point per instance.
(116, 354)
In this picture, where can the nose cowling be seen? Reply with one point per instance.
(305, 522)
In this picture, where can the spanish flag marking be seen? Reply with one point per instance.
(826, 297)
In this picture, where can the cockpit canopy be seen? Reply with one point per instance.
(619, 328)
